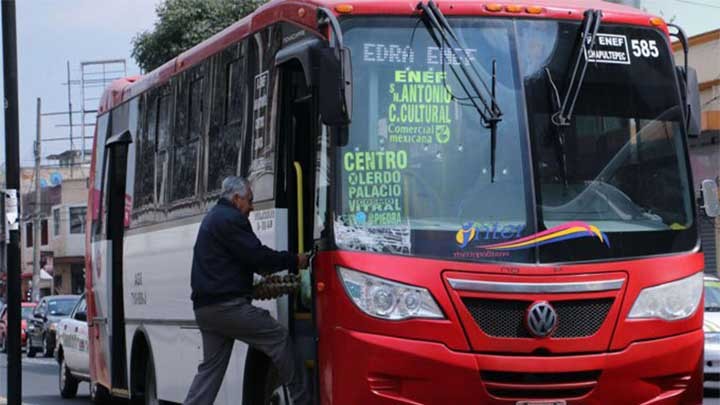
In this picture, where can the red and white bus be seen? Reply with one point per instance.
(499, 196)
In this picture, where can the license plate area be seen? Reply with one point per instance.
(545, 402)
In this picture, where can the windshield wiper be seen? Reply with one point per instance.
(564, 107)
(444, 36)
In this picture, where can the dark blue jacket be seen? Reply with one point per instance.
(226, 255)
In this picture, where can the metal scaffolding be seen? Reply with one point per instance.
(95, 76)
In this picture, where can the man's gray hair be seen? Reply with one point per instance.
(234, 185)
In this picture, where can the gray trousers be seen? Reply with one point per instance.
(222, 324)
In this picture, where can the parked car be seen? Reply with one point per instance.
(25, 314)
(43, 324)
(712, 335)
(72, 350)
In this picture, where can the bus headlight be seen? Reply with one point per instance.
(387, 299)
(670, 301)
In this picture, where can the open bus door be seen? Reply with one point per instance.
(297, 127)
(107, 280)
(315, 93)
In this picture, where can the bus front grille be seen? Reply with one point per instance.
(506, 318)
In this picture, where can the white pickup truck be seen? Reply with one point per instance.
(71, 351)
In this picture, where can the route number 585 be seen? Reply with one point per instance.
(645, 48)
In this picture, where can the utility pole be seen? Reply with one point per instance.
(12, 162)
(70, 114)
(36, 213)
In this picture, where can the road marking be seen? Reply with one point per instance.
(3, 401)
(41, 361)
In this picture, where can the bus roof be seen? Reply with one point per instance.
(303, 13)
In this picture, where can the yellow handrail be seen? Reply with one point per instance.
(300, 211)
(305, 293)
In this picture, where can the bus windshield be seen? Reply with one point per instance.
(416, 175)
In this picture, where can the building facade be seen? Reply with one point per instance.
(67, 238)
(63, 205)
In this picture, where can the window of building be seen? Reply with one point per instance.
(44, 232)
(77, 219)
(77, 283)
(28, 234)
(56, 221)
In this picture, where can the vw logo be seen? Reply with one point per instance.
(541, 319)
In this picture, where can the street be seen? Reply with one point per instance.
(40, 383)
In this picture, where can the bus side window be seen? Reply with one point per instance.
(145, 155)
(97, 201)
(163, 143)
(187, 133)
(261, 142)
(228, 116)
(133, 153)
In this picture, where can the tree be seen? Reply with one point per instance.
(182, 24)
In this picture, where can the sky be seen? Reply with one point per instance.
(52, 32)
(694, 16)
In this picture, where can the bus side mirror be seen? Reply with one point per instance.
(334, 82)
(710, 202)
(691, 97)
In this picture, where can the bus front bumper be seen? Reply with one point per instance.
(373, 369)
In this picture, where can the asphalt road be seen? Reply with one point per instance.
(40, 384)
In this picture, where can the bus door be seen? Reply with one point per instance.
(299, 126)
(110, 308)
(298, 138)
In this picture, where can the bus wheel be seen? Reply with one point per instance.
(99, 394)
(150, 392)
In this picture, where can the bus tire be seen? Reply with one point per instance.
(99, 394)
(150, 392)
(144, 389)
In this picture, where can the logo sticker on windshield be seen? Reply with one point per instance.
(609, 48)
(566, 231)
